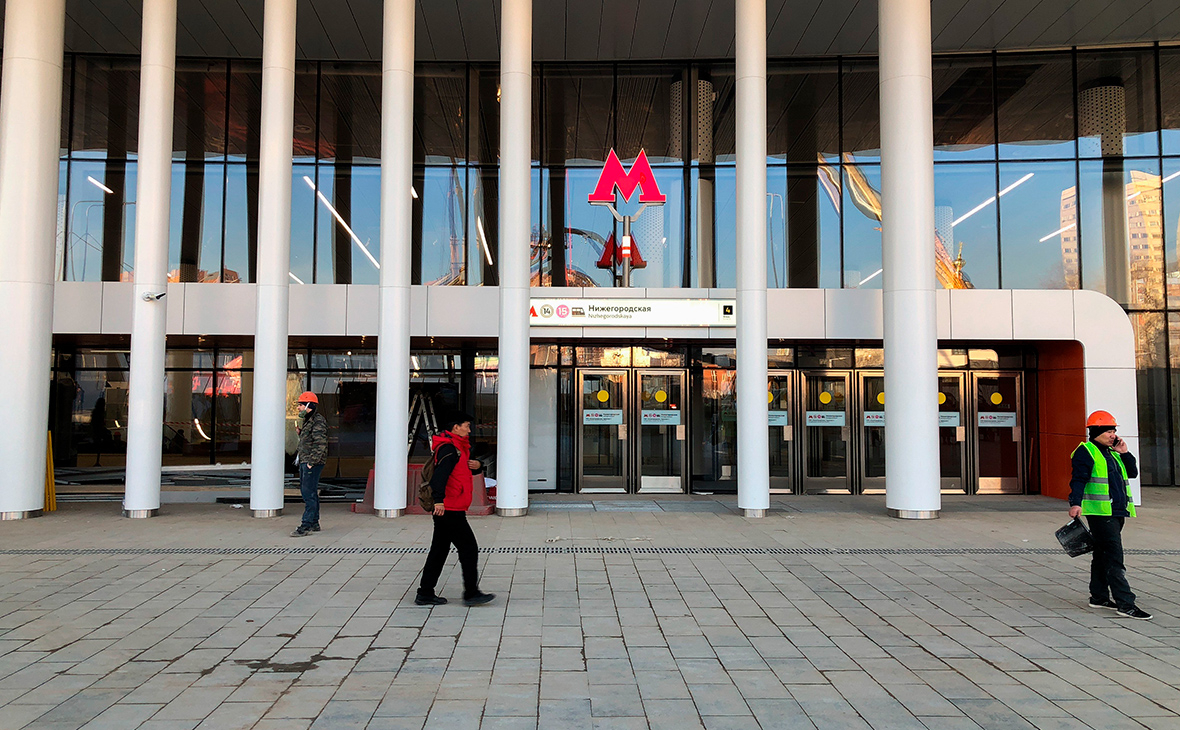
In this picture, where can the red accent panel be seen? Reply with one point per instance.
(1061, 407)
(613, 175)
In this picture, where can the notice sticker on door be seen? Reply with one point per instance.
(779, 418)
(659, 418)
(875, 418)
(602, 417)
(991, 419)
(825, 418)
(949, 420)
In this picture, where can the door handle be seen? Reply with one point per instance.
(843, 433)
(1016, 433)
(788, 433)
(680, 432)
(622, 432)
(960, 433)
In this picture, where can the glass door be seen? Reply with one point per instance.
(602, 453)
(952, 433)
(662, 426)
(999, 466)
(825, 433)
(872, 432)
(780, 396)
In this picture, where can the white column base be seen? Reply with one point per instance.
(27, 514)
(512, 511)
(140, 514)
(913, 514)
(389, 514)
(264, 513)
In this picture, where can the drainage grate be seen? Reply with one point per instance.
(554, 550)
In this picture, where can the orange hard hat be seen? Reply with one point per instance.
(1100, 418)
(308, 397)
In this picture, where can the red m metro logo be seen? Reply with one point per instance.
(614, 176)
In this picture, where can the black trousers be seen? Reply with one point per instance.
(1108, 575)
(451, 529)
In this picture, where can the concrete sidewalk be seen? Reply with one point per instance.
(610, 614)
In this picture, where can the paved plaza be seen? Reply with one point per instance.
(612, 614)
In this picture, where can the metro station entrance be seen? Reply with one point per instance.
(631, 431)
(643, 420)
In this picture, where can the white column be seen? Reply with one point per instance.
(145, 405)
(393, 328)
(516, 97)
(907, 240)
(30, 129)
(752, 430)
(274, 258)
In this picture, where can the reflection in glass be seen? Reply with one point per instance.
(964, 126)
(245, 110)
(106, 107)
(646, 111)
(966, 248)
(350, 112)
(241, 223)
(1116, 103)
(348, 401)
(1152, 380)
(1171, 226)
(439, 225)
(99, 241)
(1035, 100)
(861, 130)
(194, 241)
(1038, 226)
(803, 99)
(587, 228)
(303, 215)
(348, 237)
(714, 419)
(483, 227)
(198, 128)
(440, 98)
(1122, 231)
(1170, 100)
(862, 226)
(581, 108)
(304, 137)
(88, 417)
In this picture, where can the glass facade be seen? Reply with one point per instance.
(1052, 170)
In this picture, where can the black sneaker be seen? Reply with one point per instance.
(301, 531)
(1136, 612)
(315, 527)
(422, 599)
(478, 599)
(1103, 603)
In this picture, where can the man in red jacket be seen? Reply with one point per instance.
(451, 485)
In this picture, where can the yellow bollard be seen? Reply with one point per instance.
(50, 484)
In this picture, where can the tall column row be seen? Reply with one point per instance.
(30, 113)
(30, 124)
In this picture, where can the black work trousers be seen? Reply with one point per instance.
(1108, 575)
(451, 529)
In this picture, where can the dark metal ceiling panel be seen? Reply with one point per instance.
(622, 29)
(684, 28)
(857, 29)
(717, 31)
(311, 37)
(446, 29)
(583, 23)
(423, 41)
(481, 29)
(1139, 25)
(967, 22)
(1010, 15)
(617, 27)
(1034, 25)
(786, 26)
(550, 44)
(821, 33)
(652, 21)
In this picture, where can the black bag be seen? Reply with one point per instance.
(1075, 538)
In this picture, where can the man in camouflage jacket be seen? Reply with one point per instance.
(310, 458)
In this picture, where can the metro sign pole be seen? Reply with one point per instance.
(614, 176)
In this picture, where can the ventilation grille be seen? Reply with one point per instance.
(557, 550)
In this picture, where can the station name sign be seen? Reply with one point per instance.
(632, 313)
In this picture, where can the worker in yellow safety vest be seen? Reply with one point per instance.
(1100, 489)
